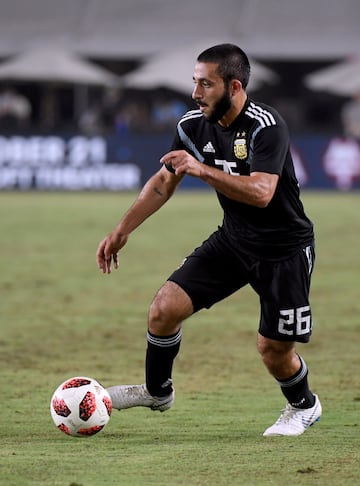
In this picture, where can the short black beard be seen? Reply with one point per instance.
(221, 107)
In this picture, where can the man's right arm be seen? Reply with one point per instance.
(152, 197)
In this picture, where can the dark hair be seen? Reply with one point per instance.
(233, 62)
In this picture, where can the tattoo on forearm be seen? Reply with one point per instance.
(157, 190)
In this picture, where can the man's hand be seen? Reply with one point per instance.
(182, 162)
(107, 252)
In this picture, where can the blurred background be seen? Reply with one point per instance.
(90, 90)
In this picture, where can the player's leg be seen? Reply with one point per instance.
(286, 319)
(289, 370)
(303, 408)
(169, 308)
(207, 276)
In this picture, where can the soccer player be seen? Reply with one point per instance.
(240, 148)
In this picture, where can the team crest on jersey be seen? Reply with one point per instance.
(240, 148)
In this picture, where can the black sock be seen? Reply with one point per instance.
(296, 388)
(160, 354)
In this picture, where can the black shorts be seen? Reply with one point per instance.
(214, 271)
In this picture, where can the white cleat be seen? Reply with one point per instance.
(294, 421)
(128, 396)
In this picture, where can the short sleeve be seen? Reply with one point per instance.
(270, 148)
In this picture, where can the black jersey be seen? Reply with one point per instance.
(256, 141)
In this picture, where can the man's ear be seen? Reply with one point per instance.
(236, 87)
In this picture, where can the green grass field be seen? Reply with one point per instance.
(61, 317)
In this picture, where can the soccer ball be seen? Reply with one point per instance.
(80, 406)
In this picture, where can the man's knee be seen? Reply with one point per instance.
(280, 358)
(171, 305)
(159, 314)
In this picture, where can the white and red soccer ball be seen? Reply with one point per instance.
(80, 406)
